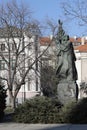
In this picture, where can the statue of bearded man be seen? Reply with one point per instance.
(67, 88)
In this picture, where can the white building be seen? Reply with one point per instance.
(49, 57)
(81, 64)
(27, 58)
(31, 87)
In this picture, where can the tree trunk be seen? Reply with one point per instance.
(12, 101)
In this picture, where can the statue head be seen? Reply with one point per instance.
(60, 32)
(65, 37)
(61, 37)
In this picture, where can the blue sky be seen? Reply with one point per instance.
(51, 9)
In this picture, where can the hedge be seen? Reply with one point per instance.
(38, 110)
(2, 101)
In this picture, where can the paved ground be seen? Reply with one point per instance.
(18, 126)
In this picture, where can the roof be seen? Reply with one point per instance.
(44, 41)
(78, 40)
(82, 48)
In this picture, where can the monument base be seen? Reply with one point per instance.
(66, 92)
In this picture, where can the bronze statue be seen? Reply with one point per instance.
(66, 69)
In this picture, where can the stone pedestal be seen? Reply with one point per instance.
(66, 92)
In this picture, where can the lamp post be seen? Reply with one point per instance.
(24, 80)
(24, 91)
(36, 33)
(36, 59)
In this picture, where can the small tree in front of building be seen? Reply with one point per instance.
(15, 47)
(48, 81)
(2, 101)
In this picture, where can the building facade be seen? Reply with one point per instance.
(14, 66)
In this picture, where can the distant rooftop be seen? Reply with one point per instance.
(44, 41)
(82, 48)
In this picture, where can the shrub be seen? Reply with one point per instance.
(9, 110)
(65, 112)
(38, 110)
(75, 113)
(78, 113)
(2, 101)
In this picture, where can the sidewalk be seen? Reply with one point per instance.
(19, 126)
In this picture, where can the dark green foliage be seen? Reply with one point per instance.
(65, 112)
(78, 113)
(48, 81)
(74, 113)
(47, 110)
(38, 110)
(2, 101)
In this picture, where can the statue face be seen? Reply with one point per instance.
(65, 38)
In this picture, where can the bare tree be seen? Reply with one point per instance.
(76, 9)
(52, 26)
(16, 39)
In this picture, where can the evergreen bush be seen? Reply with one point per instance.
(49, 110)
(78, 113)
(48, 81)
(66, 111)
(74, 113)
(2, 101)
(38, 110)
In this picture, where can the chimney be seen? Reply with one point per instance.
(83, 40)
(86, 38)
(51, 37)
(75, 37)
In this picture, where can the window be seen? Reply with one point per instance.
(46, 53)
(2, 47)
(76, 43)
(29, 84)
(2, 65)
(36, 84)
(29, 62)
(30, 46)
(13, 64)
(13, 47)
